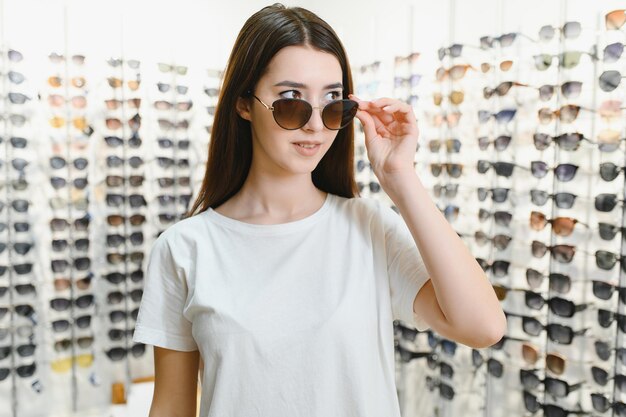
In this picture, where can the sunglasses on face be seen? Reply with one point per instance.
(606, 202)
(563, 172)
(610, 80)
(562, 200)
(566, 141)
(560, 253)
(502, 117)
(615, 20)
(559, 283)
(569, 30)
(500, 143)
(293, 114)
(562, 226)
(502, 218)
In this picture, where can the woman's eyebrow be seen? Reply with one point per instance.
(300, 85)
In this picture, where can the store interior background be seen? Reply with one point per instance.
(200, 35)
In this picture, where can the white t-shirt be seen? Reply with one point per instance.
(291, 319)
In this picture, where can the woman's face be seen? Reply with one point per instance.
(294, 72)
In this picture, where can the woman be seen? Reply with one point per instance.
(282, 287)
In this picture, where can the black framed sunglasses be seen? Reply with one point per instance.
(293, 113)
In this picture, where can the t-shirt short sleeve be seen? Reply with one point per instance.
(160, 321)
(405, 266)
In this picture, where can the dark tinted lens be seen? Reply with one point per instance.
(609, 171)
(291, 113)
(609, 80)
(605, 202)
(339, 114)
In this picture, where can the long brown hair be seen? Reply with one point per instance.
(230, 149)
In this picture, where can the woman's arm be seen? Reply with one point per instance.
(458, 302)
(176, 383)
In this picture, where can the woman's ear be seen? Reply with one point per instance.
(243, 108)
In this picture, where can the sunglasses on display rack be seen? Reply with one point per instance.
(116, 62)
(558, 333)
(60, 225)
(603, 351)
(559, 306)
(615, 20)
(114, 161)
(60, 182)
(606, 318)
(557, 388)
(505, 65)
(55, 81)
(601, 377)
(563, 172)
(500, 268)
(609, 171)
(57, 100)
(606, 260)
(554, 361)
(452, 119)
(501, 143)
(502, 117)
(65, 365)
(562, 226)
(292, 114)
(505, 40)
(445, 391)
(613, 52)
(180, 89)
(60, 245)
(22, 350)
(608, 231)
(445, 369)
(609, 140)
(502, 218)
(452, 145)
(23, 371)
(65, 344)
(179, 69)
(456, 97)
(500, 242)
(407, 356)
(453, 170)
(115, 83)
(501, 89)
(61, 265)
(610, 80)
(569, 90)
(601, 403)
(116, 240)
(606, 202)
(120, 334)
(502, 169)
(167, 105)
(495, 368)
(567, 60)
(448, 346)
(566, 114)
(532, 404)
(405, 82)
(116, 297)
(114, 104)
(561, 200)
(449, 190)
(456, 72)
(17, 120)
(450, 212)
(560, 253)
(21, 248)
(570, 30)
(566, 141)
(498, 195)
(116, 278)
(118, 220)
(59, 58)
(62, 284)
(117, 316)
